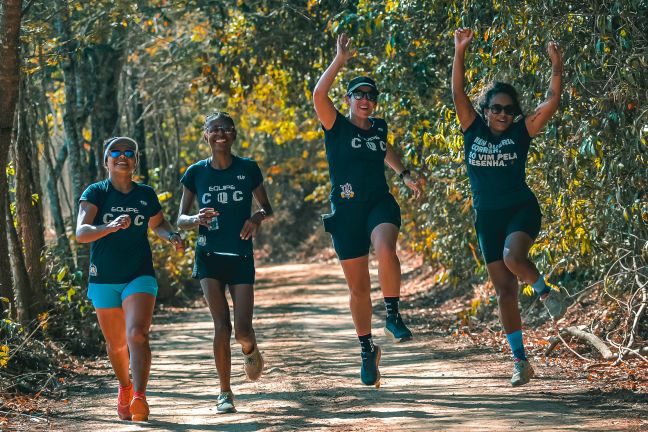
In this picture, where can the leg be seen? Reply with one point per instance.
(516, 252)
(243, 299)
(214, 292)
(356, 273)
(113, 327)
(138, 310)
(383, 239)
(506, 287)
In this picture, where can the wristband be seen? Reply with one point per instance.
(171, 234)
(404, 173)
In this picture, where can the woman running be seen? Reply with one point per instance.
(114, 215)
(224, 185)
(364, 213)
(496, 144)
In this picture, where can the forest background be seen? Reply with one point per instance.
(73, 73)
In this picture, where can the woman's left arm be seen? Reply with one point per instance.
(252, 225)
(538, 120)
(394, 161)
(163, 229)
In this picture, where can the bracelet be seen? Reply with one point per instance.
(171, 234)
(404, 173)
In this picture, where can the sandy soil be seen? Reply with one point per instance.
(312, 376)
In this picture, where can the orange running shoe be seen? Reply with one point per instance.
(139, 408)
(124, 402)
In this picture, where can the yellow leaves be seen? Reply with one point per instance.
(61, 274)
(4, 355)
(389, 49)
(275, 170)
(311, 4)
(199, 32)
(43, 317)
(305, 154)
(391, 5)
(311, 135)
(70, 293)
(164, 196)
(527, 291)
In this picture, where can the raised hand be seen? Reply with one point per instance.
(344, 49)
(555, 55)
(463, 37)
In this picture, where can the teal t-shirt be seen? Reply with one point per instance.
(229, 192)
(356, 159)
(497, 165)
(123, 255)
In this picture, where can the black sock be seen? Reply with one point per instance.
(391, 305)
(366, 343)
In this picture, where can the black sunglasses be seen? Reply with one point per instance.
(116, 153)
(222, 129)
(370, 95)
(508, 109)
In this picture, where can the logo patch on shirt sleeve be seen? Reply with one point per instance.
(347, 191)
(93, 270)
(144, 203)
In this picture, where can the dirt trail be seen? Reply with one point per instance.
(312, 376)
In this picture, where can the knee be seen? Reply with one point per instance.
(386, 252)
(514, 262)
(222, 327)
(506, 293)
(137, 335)
(359, 290)
(116, 347)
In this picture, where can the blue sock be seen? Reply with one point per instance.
(391, 305)
(517, 346)
(540, 287)
(366, 343)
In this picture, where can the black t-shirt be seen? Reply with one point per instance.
(123, 255)
(356, 159)
(497, 165)
(229, 192)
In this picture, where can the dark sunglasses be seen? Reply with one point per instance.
(508, 109)
(116, 153)
(222, 129)
(370, 95)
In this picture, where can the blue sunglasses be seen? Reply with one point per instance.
(116, 153)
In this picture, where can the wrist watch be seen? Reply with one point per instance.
(171, 234)
(404, 173)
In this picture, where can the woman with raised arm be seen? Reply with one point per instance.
(224, 185)
(496, 144)
(114, 215)
(364, 213)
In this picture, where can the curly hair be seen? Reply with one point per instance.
(498, 87)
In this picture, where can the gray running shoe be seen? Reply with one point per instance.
(225, 403)
(522, 373)
(253, 364)
(555, 302)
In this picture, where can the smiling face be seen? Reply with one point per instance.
(500, 121)
(118, 160)
(220, 135)
(363, 107)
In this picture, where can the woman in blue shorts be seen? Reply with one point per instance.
(224, 186)
(364, 213)
(115, 215)
(497, 138)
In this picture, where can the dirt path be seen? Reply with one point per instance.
(312, 380)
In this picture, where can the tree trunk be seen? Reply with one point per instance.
(106, 68)
(139, 130)
(28, 206)
(22, 292)
(10, 16)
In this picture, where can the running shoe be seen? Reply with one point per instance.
(253, 364)
(139, 409)
(395, 328)
(369, 373)
(124, 398)
(555, 302)
(225, 403)
(522, 373)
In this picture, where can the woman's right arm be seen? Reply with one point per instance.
(187, 221)
(87, 233)
(324, 107)
(465, 110)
